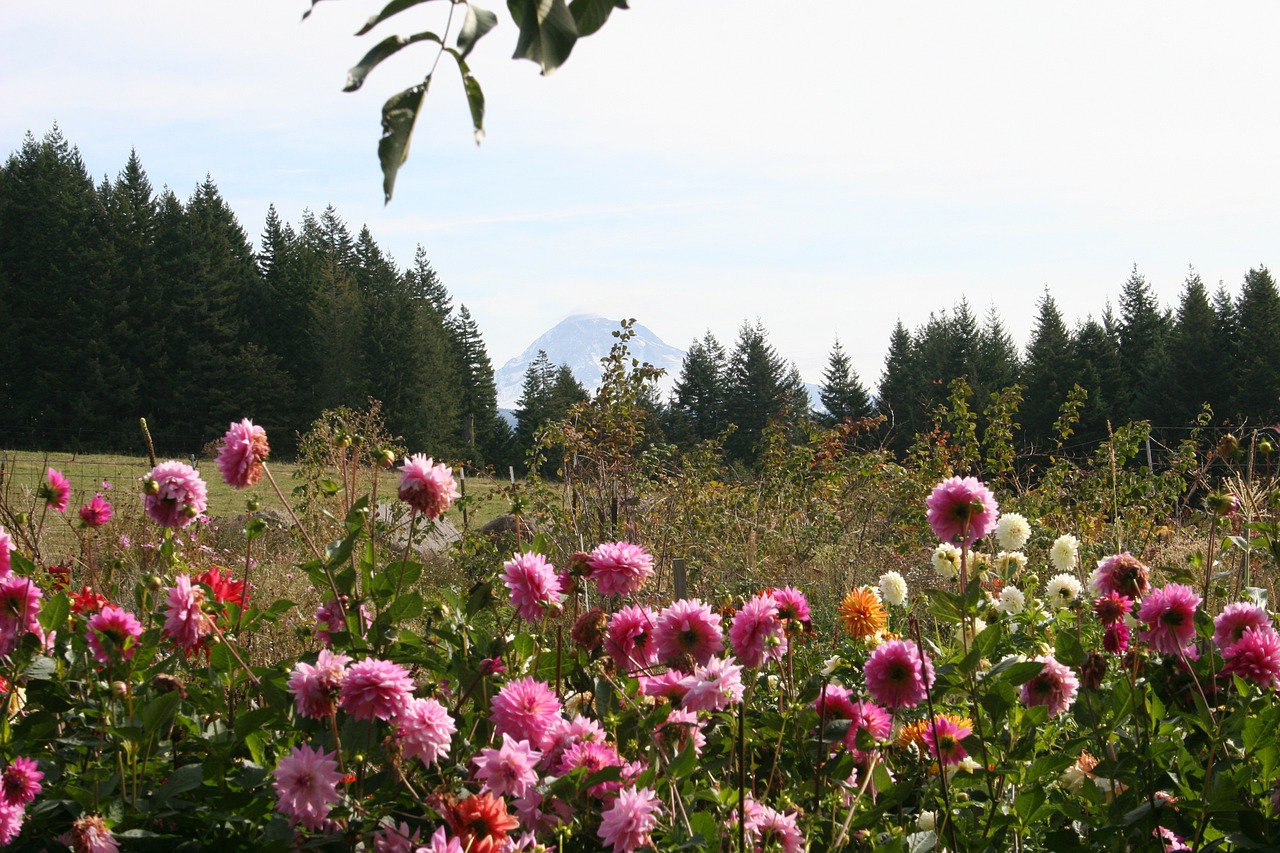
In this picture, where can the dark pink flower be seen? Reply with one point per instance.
(713, 687)
(680, 731)
(425, 730)
(19, 611)
(173, 494)
(1169, 614)
(687, 627)
(11, 820)
(21, 782)
(835, 702)
(1256, 656)
(56, 490)
(772, 829)
(1056, 686)
(620, 568)
(793, 609)
(566, 733)
(526, 709)
(113, 634)
(6, 548)
(962, 510)
(427, 487)
(375, 689)
(535, 589)
(185, 621)
(629, 638)
(96, 512)
(315, 687)
(511, 769)
(628, 822)
(1116, 638)
(306, 783)
(869, 717)
(244, 449)
(943, 736)
(668, 684)
(1232, 622)
(1112, 607)
(1122, 574)
(329, 619)
(757, 634)
(898, 674)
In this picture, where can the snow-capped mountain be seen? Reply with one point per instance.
(581, 341)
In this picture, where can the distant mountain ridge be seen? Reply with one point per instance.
(580, 341)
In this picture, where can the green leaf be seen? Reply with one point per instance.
(398, 116)
(393, 8)
(478, 23)
(946, 606)
(185, 778)
(1067, 649)
(407, 606)
(158, 713)
(388, 47)
(41, 668)
(1022, 671)
(547, 32)
(54, 612)
(475, 97)
(590, 15)
(329, 487)
(255, 528)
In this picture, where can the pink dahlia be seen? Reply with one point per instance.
(306, 783)
(244, 449)
(620, 568)
(943, 736)
(1256, 656)
(566, 733)
(680, 731)
(1170, 617)
(425, 730)
(90, 834)
(773, 830)
(628, 822)
(594, 757)
(1116, 638)
(511, 769)
(629, 638)
(21, 782)
(898, 674)
(668, 684)
(314, 687)
(1234, 620)
(535, 589)
(1112, 607)
(391, 837)
(835, 702)
(6, 548)
(375, 689)
(526, 709)
(871, 718)
(19, 611)
(185, 621)
(793, 609)
(96, 512)
(1056, 686)
(427, 487)
(757, 634)
(11, 820)
(1122, 574)
(713, 687)
(687, 627)
(961, 509)
(56, 490)
(173, 494)
(329, 619)
(113, 634)
(440, 843)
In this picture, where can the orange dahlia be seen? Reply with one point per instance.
(862, 613)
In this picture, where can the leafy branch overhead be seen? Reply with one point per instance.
(548, 30)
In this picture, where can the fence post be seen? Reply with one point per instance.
(679, 577)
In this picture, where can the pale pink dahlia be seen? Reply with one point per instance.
(687, 627)
(594, 757)
(535, 589)
(375, 689)
(21, 782)
(315, 687)
(1123, 574)
(629, 638)
(628, 822)
(526, 709)
(244, 449)
(680, 731)
(713, 687)
(757, 634)
(774, 830)
(668, 684)
(961, 510)
(1232, 622)
(185, 621)
(427, 487)
(1256, 656)
(90, 834)
(391, 837)
(96, 512)
(173, 494)
(943, 735)
(1170, 617)
(511, 769)
(620, 568)
(113, 634)
(1055, 685)
(441, 843)
(329, 619)
(56, 490)
(898, 674)
(11, 820)
(306, 783)
(566, 733)
(425, 730)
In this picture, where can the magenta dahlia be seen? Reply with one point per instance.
(535, 588)
(1055, 685)
(55, 490)
(898, 674)
(620, 568)
(306, 783)
(757, 634)
(1234, 620)
(113, 634)
(244, 449)
(962, 510)
(96, 512)
(427, 487)
(315, 686)
(629, 638)
(1169, 614)
(1256, 656)
(526, 709)
(687, 627)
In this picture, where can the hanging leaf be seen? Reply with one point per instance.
(479, 21)
(398, 116)
(547, 32)
(384, 49)
(590, 15)
(393, 8)
(475, 97)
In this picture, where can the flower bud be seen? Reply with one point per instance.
(154, 583)
(385, 458)
(150, 487)
(1228, 446)
(253, 504)
(1265, 447)
(120, 689)
(357, 440)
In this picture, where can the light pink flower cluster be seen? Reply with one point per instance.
(629, 638)
(526, 709)
(173, 494)
(687, 628)
(329, 619)
(628, 822)
(315, 686)
(898, 674)
(425, 730)
(244, 449)
(713, 687)
(509, 770)
(375, 689)
(1256, 656)
(7, 547)
(113, 633)
(535, 588)
(185, 621)
(306, 783)
(620, 568)
(427, 487)
(757, 633)
(1055, 685)
(771, 829)
(19, 785)
(961, 510)
(1169, 614)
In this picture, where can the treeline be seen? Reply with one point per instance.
(118, 302)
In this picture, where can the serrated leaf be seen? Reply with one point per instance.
(399, 114)
(388, 47)
(547, 32)
(477, 24)
(54, 612)
(395, 7)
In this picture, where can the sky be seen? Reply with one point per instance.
(825, 167)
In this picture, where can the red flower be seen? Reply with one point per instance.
(87, 601)
(60, 576)
(226, 589)
(481, 823)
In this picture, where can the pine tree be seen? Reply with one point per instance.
(1050, 371)
(842, 393)
(1258, 383)
(698, 404)
(898, 396)
(1143, 326)
(485, 433)
(996, 363)
(1191, 367)
(1099, 370)
(756, 386)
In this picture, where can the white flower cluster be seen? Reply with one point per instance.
(1065, 552)
(1010, 563)
(893, 589)
(1012, 531)
(1062, 589)
(1012, 601)
(946, 560)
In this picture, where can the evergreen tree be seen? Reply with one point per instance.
(756, 390)
(996, 363)
(698, 404)
(1142, 328)
(546, 395)
(1096, 354)
(898, 396)
(336, 311)
(1050, 371)
(1258, 382)
(485, 432)
(1191, 369)
(1226, 346)
(842, 393)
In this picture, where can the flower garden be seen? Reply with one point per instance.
(1005, 685)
